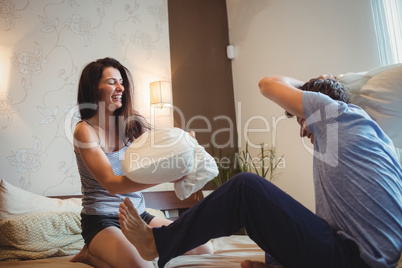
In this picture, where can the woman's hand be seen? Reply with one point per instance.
(192, 134)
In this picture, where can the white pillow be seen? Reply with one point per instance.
(161, 155)
(15, 201)
(205, 169)
(169, 155)
(379, 93)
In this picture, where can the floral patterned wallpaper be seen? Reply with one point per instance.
(44, 45)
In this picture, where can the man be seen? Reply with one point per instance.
(358, 188)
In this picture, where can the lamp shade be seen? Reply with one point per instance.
(160, 93)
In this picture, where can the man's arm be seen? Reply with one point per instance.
(284, 92)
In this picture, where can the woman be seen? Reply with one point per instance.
(109, 124)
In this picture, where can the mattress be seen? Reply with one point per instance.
(228, 252)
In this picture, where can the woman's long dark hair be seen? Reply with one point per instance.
(133, 123)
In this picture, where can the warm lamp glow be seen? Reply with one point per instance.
(5, 68)
(161, 94)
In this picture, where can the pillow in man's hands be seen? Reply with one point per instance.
(379, 93)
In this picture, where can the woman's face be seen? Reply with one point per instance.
(111, 89)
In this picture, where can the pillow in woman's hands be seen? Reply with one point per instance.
(169, 155)
(161, 155)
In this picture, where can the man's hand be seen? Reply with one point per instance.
(327, 76)
(284, 92)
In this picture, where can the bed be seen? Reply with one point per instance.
(47, 231)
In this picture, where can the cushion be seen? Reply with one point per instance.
(40, 235)
(379, 93)
(156, 212)
(169, 155)
(15, 201)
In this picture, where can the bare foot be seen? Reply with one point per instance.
(256, 264)
(81, 256)
(85, 256)
(137, 231)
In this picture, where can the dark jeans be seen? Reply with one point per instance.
(282, 227)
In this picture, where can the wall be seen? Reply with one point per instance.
(202, 80)
(43, 48)
(301, 39)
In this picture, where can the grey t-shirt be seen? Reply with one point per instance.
(357, 178)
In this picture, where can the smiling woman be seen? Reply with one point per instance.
(109, 125)
(111, 88)
(104, 104)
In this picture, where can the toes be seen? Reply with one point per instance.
(127, 202)
(130, 207)
(121, 215)
(123, 225)
(123, 211)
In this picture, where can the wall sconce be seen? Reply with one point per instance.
(161, 94)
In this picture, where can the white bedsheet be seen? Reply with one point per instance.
(228, 252)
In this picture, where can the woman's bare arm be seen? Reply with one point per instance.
(86, 143)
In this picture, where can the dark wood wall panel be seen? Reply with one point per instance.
(202, 81)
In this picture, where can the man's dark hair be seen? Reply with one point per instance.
(328, 86)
